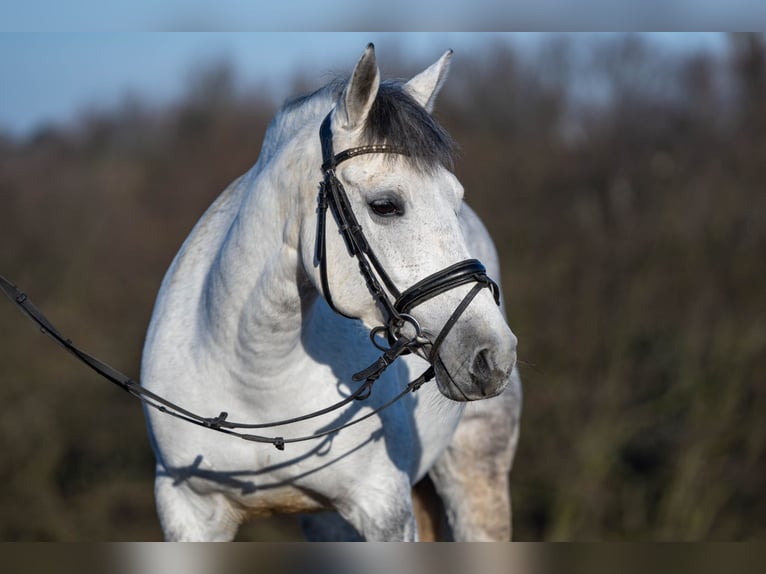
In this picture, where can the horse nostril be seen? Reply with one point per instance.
(490, 371)
(482, 365)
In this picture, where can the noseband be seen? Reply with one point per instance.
(396, 305)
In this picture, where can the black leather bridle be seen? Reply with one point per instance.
(396, 307)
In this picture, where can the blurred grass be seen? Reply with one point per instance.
(624, 187)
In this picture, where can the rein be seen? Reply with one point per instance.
(333, 195)
(218, 423)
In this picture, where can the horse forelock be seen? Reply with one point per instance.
(395, 119)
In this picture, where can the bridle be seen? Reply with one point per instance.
(396, 308)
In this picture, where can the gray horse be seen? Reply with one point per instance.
(254, 319)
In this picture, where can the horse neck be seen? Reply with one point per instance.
(256, 293)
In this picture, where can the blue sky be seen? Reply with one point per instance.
(54, 77)
(405, 15)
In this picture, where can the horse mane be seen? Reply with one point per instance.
(395, 119)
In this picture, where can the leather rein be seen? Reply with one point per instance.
(395, 305)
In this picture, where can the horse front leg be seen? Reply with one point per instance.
(394, 525)
(472, 475)
(188, 516)
(391, 520)
(375, 514)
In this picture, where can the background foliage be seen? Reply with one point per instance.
(624, 186)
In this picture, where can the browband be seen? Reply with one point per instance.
(330, 160)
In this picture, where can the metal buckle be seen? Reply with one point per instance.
(419, 338)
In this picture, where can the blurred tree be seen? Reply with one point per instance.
(624, 187)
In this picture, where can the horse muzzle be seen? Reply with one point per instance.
(479, 372)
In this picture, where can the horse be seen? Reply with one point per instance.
(269, 311)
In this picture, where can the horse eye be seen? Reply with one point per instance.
(385, 207)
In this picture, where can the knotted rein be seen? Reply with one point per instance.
(395, 305)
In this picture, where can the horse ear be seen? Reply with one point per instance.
(361, 90)
(426, 85)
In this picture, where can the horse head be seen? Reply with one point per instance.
(392, 163)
